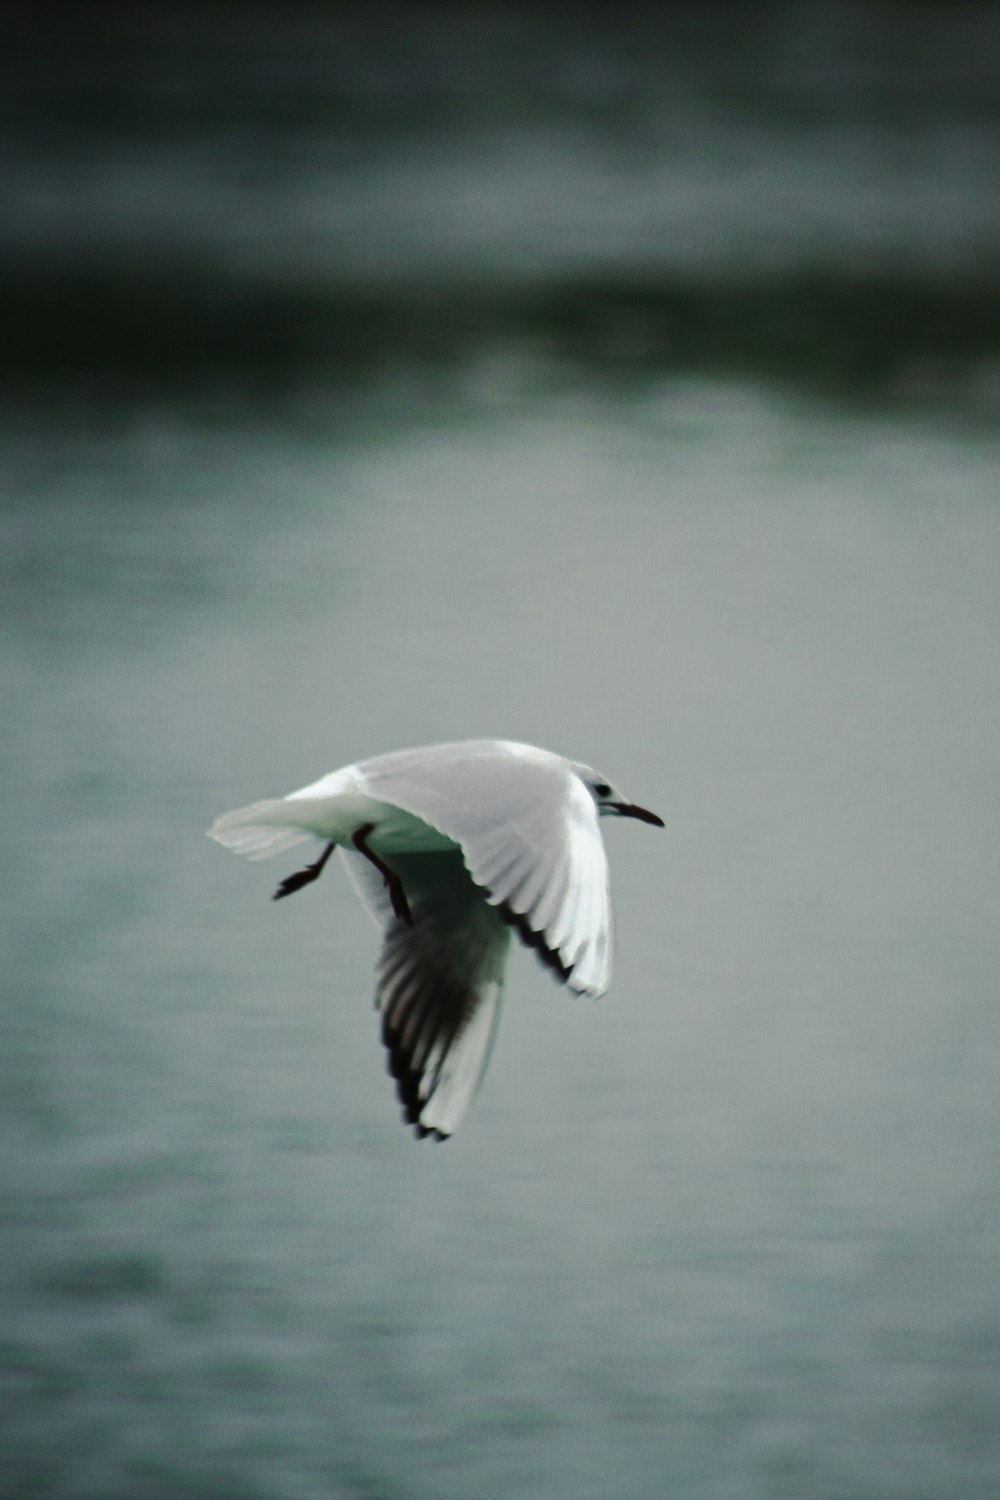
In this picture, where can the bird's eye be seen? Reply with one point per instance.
(601, 789)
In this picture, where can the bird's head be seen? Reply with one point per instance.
(609, 800)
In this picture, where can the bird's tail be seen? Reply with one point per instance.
(261, 829)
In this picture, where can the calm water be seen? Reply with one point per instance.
(733, 1233)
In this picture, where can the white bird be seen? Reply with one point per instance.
(449, 847)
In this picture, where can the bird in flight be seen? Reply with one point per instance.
(451, 848)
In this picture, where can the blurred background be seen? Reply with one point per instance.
(622, 380)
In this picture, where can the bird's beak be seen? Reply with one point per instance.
(629, 810)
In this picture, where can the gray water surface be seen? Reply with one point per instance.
(733, 1230)
(385, 375)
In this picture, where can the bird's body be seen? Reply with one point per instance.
(451, 847)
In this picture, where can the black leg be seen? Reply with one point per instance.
(292, 883)
(394, 885)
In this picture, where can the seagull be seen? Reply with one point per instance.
(452, 848)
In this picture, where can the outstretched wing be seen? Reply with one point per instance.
(438, 983)
(528, 831)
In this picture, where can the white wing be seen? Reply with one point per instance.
(438, 983)
(528, 829)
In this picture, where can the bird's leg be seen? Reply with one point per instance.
(292, 883)
(393, 884)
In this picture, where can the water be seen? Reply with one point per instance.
(734, 1230)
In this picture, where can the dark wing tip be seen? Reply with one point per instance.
(408, 1080)
(549, 956)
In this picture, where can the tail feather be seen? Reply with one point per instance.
(260, 830)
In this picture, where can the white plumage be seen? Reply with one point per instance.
(451, 847)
